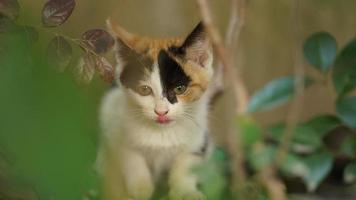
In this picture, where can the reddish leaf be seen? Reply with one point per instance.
(7, 25)
(10, 8)
(105, 69)
(56, 12)
(85, 70)
(59, 53)
(98, 40)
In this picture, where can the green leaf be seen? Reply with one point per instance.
(323, 124)
(348, 147)
(344, 73)
(219, 156)
(212, 181)
(54, 148)
(350, 173)
(320, 50)
(319, 166)
(346, 108)
(292, 165)
(305, 139)
(250, 130)
(212, 175)
(275, 93)
(261, 156)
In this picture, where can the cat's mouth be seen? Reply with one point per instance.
(163, 120)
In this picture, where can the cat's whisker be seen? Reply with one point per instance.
(191, 119)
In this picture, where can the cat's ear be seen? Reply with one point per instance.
(124, 40)
(197, 46)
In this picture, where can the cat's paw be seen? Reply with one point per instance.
(186, 195)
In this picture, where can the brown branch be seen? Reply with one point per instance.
(275, 188)
(235, 25)
(235, 80)
(297, 104)
(226, 69)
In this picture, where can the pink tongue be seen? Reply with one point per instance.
(162, 119)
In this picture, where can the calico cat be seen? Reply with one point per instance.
(155, 121)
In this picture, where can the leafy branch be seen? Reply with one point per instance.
(95, 42)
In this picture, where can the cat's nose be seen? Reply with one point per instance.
(161, 112)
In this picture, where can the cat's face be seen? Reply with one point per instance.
(164, 79)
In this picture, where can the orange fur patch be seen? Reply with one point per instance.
(200, 80)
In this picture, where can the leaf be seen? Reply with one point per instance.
(7, 25)
(348, 147)
(305, 139)
(98, 40)
(320, 50)
(212, 175)
(56, 12)
(250, 130)
(344, 73)
(292, 165)
(346, 109)
(319, 166)
(105, 69)
(220, 157)
(85, 70)
(323, 124)
(261, 156)
(350, 173)
(275, 93)
(59, 53)
(212, 180)
(10, 9)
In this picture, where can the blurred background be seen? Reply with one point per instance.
(49, 123)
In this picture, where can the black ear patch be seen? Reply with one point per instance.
(194, 36)
(134, 67)
(172, 75)
(196, 47)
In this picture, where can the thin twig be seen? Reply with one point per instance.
(297, 104)
(227, 68)
(235, 25)
(275, 188)
(234, 78)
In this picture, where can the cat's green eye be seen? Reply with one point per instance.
(144, 90)
(180, 89)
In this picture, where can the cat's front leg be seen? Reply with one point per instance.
(137, 176)
(182, 179)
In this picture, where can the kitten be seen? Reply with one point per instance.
(155, 121)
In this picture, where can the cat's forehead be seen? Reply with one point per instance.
(152, 47)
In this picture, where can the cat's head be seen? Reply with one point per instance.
(164, 79)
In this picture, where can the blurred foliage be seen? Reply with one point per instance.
(344, 73)
(48, 124)
(317, 144)
(276, 92)
(320, 50)
(309, 152)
